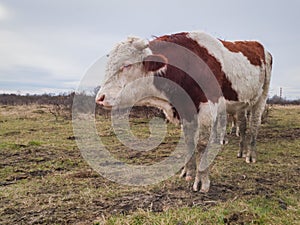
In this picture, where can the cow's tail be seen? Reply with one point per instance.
(269, 63)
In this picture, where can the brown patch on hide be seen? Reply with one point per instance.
(253, 50)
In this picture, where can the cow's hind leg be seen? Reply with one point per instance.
(257, 111)
(202, 171)
(242, 124)
(255, 121)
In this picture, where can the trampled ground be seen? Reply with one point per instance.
(44, 179)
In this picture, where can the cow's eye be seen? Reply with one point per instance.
(127, 66)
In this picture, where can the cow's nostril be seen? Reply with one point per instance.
(100, 99)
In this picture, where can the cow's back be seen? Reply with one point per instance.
(243, 63)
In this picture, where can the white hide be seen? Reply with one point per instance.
(124, 65)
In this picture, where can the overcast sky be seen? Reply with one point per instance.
(48, 45)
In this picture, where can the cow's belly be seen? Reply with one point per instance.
(233, 107)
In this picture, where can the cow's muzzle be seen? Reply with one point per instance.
(100, 101)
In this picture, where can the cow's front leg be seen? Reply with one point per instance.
(190, 132)
(202, 171)
(189, 168)
(211, 135)
(202, 177)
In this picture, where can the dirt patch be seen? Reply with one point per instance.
(240, 218)
(11, 133)
(287, 134)
(162, 200)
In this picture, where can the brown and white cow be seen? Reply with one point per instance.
(212, 72)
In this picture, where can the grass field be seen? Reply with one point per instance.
(44, 179)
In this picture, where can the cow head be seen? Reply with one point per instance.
(128, 61)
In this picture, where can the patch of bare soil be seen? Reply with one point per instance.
(288, 134)
(239, 218)
(161, 200)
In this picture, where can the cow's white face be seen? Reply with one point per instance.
(128, 61)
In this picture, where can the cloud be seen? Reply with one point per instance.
(42, 59)
(20, 50)
(5, 13)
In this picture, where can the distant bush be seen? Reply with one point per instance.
(277, 100)
(45, 99)
(61, 105)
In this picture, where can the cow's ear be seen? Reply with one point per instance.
(153, 63)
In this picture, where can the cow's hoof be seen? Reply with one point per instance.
(205, 186)
(195, 187)
(224, 142)
(248, 160)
